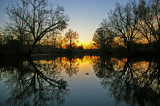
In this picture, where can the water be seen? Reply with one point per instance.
(79, 81)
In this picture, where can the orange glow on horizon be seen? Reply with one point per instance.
(86, 45)
(85, 59)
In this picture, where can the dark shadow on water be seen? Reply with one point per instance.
(130, 80)
(27, 84)
(134, 80)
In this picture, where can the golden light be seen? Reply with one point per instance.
(86, 45)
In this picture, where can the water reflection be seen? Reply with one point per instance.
(41, 80)
(130, 80)
(29, 85)
(70, 65)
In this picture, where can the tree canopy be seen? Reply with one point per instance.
(34, 19)
(71, 37)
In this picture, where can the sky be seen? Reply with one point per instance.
(85, 15)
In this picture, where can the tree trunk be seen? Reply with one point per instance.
(70, 44)
(32, 47)
(128, 47)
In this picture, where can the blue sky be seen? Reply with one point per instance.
(85, 15)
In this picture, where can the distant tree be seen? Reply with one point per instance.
(53, 39)
(103, 37)
(149, 19)
(1, 37)
(71, 37)
(124, 21)
(35, 19)
(5, 36)
(60, 41)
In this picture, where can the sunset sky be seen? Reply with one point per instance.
(85, 15)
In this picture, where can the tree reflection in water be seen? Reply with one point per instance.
(130, 80)
(29, 85)
(39, 81)
(71, 66)
(57, 64)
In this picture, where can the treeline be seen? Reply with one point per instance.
(52, 42)
(134, 26)
(55, 39)
(33, 22)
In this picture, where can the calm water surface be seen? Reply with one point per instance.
(79, 81)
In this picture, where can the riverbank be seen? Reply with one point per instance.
(21, 50)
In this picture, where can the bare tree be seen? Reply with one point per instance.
(71, 37)
(103, 37)
(149, 18)
(53, 39)
(60, 40)
(34, 18)
(124, 20)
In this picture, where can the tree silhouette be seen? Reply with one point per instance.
(149, 21)
(124, 20)
(103, 37)
(34, 19)
(71, 37)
